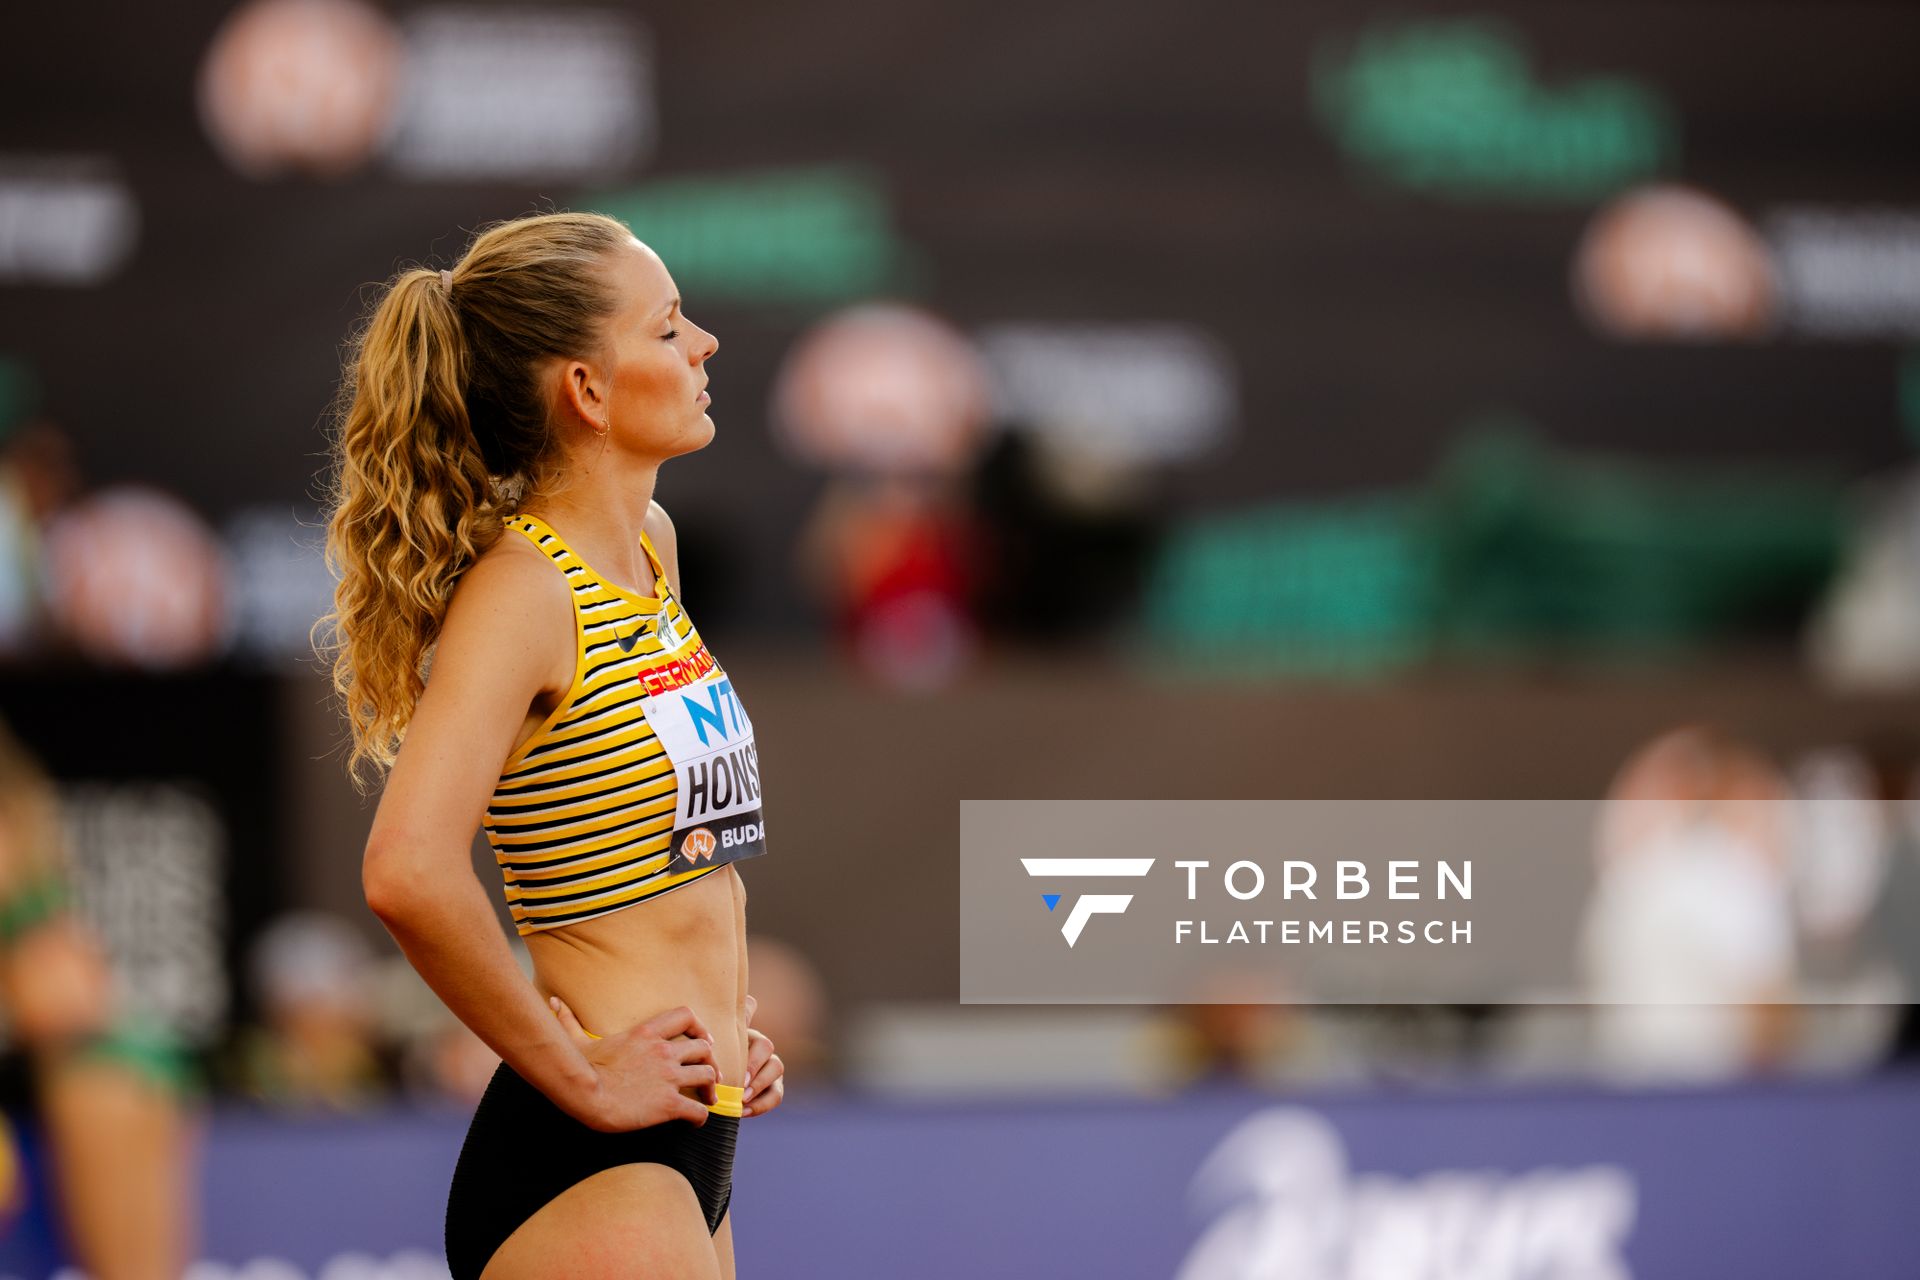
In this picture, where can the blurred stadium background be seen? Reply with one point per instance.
(1213, 400)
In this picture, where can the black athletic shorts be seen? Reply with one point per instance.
(522, 1151)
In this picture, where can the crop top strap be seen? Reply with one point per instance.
(536, 532)
(578, 572)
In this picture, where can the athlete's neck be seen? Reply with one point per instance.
(600, 509)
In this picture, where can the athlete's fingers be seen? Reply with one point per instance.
(767, 1099)
(759, 1049)
(702, 1077)
(769, 1071)
(752, 1006)
(689, 1051)
(686, 1108)
(572, 1025)
(676, 1022)
(763, 1079)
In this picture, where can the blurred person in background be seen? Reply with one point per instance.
(1231, 1030)
(1689, 945)
(111, 1086)
(895, 402)
(437, 1057)
(1893, 922)
(312, 976)
(895, 558)
(443, 1058)
(511, 647)
(38, 478)
(797, 1016)
(1865, 637)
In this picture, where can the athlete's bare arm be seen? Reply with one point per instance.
(506, 648)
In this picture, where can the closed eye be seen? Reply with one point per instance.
(670, 335)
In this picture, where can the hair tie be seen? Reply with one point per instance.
(446, 282)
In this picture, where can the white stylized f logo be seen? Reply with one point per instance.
(1090, 904)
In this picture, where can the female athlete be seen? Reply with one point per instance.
(510, 645)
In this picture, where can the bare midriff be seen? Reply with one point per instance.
(686, 947)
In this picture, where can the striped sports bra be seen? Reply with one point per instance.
(643, 778)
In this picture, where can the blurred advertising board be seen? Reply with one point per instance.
(1489, 1184)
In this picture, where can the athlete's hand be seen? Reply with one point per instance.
(641, 1071)
(766, 1074)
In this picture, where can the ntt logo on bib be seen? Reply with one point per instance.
(1087, 905)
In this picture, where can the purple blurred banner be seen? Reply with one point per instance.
(1467, 1185)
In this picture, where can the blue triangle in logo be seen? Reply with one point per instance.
(1051, 899)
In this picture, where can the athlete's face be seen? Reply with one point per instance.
(648, 389)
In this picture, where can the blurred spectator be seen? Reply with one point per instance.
(1231, 1030)
(312, 975)
(136, 578)
(1689, 940)
(1227, 1043)
(38, 478)
(1867, 635)
(1893, 925)
(1843, 831)
(894, 558)
(111, 1085)
(440, 1059)
(791, 1008)
(895, 403)
(453, 1063)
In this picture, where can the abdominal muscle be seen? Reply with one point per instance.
(686, 947)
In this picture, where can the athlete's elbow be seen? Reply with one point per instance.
(389, 878)
(384, 895)
(381, 900)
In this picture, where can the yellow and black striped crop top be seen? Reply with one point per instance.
(644, 777)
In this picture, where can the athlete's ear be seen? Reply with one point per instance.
(583, 398)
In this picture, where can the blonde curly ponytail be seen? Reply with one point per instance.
(440, 422)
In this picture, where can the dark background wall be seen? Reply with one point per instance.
(1070, 160)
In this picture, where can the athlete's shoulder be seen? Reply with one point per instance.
(514, 563)
(513, 582)
(509, 623)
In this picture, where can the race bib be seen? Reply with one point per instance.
(709, 739)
